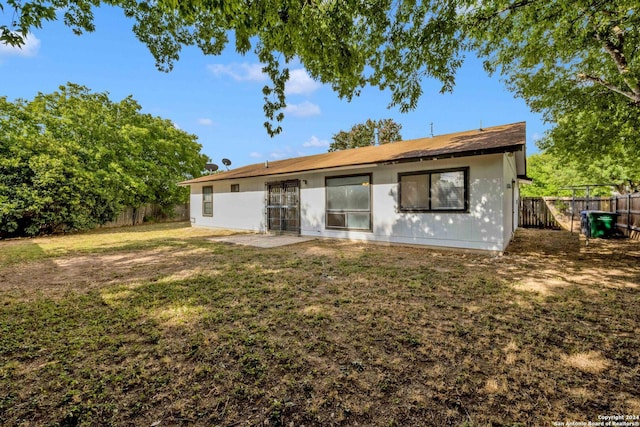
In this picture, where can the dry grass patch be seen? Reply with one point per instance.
(320, 333)
(100, 241)
(591, 362)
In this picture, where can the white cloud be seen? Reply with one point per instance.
(255, 155)
(304, 109)
(282, 152)
(205, 122)
(30, 47)
(300, 83)
(239, 72)
(316, 142)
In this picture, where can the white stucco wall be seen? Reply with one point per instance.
(511, 196)
(244, 210)
(483, 227)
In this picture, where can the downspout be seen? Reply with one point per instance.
(513, 207)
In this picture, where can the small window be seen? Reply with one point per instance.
(235, 188)
(207, 201)
(435, 191)
(349, 202)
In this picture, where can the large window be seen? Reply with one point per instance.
(439, 191)
(349, 202)
(207, 201)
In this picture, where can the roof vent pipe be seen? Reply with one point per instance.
(266, 163)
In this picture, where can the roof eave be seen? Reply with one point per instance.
(450, 155)
(281, 174)
(438, 156)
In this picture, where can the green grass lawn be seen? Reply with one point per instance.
(162, 325)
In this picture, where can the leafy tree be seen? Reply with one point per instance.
(347, 44)
(364, 134)
(576, 61)
(73, 159)
(552, 175)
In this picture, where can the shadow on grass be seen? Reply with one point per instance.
(318, 334)
(18, 251)
(547, 262)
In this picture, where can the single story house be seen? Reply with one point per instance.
(458, 190)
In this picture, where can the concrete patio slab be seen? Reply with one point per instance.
(262, 240)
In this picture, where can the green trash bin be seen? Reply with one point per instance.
(602, 224)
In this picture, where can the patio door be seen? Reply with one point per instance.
(283, 206)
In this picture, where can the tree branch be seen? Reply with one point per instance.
(635, 97)
(616, 53)
(510, 8)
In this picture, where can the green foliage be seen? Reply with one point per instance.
(73, 159)
(578, 63)
(364, 134)
(347, 44)
(552, 175)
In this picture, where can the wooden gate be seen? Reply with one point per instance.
(534, 213)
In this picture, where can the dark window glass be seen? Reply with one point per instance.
(444, 190)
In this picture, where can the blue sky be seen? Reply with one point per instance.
(219, 98)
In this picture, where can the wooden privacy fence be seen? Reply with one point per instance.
(566, 206)
(131, 216)
(534, 211)
(628, 209)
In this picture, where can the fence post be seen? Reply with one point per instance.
(573, 208)
(629, 213)
(613, 207)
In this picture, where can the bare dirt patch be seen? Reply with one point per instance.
(539, 261)
(83, 273)
(543, 261)
(193, 332)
